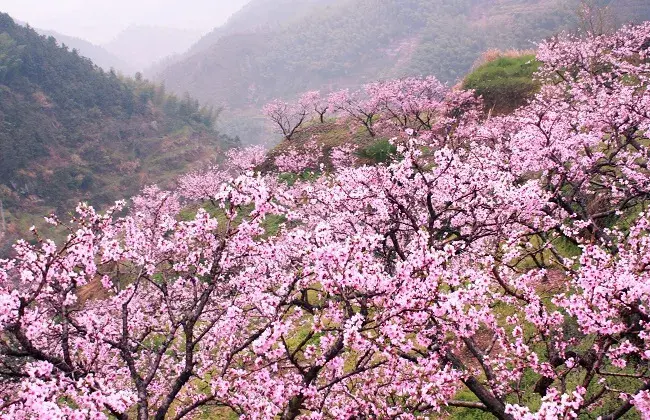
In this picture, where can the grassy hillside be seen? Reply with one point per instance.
(505, 81)
(70, 131)
(349, 42)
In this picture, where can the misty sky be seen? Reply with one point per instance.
(100, 20)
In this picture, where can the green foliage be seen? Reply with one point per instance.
(380, 151)
(272, 224)
(10, 57)
(505, 83)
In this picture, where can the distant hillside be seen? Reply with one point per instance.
(349, 42)
(70, 131)
(142, 46)
(260, 16)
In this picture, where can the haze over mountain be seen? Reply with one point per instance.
(132, 50)
(135, 35)
(287, 46)
(253, 16)
(142, 46)
(99, 21)
(260, 16)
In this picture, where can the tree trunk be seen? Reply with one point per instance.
(293, 408)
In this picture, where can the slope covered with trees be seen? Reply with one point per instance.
(69, 130)
(494, 267)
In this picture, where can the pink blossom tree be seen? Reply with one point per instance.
(296, 160)
(413, 104)
(318, 103)
(410, 103)
(356, 105)
(288, 117)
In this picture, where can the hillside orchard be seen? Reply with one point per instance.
(495, 264)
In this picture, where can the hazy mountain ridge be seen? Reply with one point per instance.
(346, 44)
(96, 53)
(134, 49)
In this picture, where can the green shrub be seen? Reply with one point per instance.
(380, 151)
(505, 83)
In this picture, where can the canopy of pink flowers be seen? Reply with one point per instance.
(496, 264)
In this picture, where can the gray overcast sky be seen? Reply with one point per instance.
(100, 20)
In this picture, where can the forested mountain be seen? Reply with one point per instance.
(71, 131)
(348, 42)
